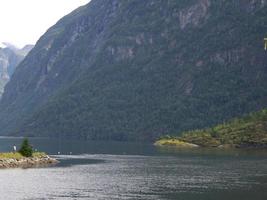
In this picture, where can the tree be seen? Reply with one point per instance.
(26, 148)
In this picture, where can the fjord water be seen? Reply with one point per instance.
(114, 170)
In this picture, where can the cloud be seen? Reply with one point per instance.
(24, 21)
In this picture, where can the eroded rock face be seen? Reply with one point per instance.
(228, 57)
(10, 57)
(251, 6)
(4, 75)
(195, 14)
(5, 65)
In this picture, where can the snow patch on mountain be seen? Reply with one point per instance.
(2, 45)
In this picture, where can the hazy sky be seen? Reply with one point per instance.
(24, 21)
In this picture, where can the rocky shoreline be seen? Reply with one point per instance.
(174, 143)
(182, 144)
(27, 162)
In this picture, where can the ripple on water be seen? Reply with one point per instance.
(139, 177)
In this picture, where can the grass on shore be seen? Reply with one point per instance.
(17, 155)
(174, 142)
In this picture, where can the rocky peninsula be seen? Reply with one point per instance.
(174, 143)
(249, 131)
(16, 160)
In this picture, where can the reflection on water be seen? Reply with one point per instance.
(108, 170)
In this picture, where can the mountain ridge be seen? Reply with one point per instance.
(134, 70)
(10, 57)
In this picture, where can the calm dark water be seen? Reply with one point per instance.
(112, 170)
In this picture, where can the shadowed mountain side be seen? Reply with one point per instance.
(134, 70)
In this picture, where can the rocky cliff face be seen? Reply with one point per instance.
(10, 57)
(194, 14)
(134, 69)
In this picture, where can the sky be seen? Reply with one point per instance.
(25, 21)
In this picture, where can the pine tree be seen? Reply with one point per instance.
(26, 149)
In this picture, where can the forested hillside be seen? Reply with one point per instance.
(248, 131)
(135, 70)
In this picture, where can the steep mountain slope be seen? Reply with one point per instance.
(10, 57)
(134, 69)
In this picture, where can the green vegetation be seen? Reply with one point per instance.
(26, 149)
(129, 70)
(17, 155)
(174, 142)
(248, 131)
(11, 155)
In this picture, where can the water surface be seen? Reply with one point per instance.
(113, 170)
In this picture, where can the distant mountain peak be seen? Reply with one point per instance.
(10, 57)
(2, 45)
(10, 46)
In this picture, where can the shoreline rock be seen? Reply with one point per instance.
(181, 144)
(30, 162)
(174, 143)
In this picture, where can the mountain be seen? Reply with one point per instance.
(134, 70)
(248, 131)
(10, 57)
(2, 45)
